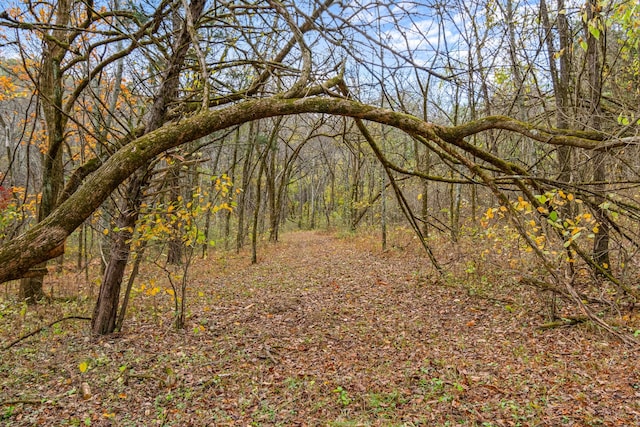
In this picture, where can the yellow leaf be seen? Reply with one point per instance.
(83, 367)
(489, 213)
(570, 197)
(105, 231)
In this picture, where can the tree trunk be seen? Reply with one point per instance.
(174, 252)
(246, 175)
(455, 197)
(51, 90)
(211, 200)
(256, 212)
(560, 80)
(232, 176)
(274, 207)
(355, 187)
(104, 318)
(595, 59)
(602, 237)
(31, 287)
(132, 277)
(106, 309)
(271, 174)
(528, 146)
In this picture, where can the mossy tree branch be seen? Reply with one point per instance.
(44, 240)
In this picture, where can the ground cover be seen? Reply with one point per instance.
(326, 329)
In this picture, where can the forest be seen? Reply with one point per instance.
(317, 212)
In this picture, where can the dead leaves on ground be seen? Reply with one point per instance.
(325, 331)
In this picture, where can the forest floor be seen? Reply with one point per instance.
(325, 330)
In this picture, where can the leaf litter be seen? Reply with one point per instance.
(324, 330)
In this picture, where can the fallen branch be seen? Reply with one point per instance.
(21, 401)
(545, 286)
(30, 334)
(25, 401)
(628, 340)
(572, 294)
(565, 321)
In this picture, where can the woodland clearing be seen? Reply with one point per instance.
(326, 329)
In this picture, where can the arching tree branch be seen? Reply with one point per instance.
(44, 241)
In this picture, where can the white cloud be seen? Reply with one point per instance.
(423, 35)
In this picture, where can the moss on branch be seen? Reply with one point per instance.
(40, 242)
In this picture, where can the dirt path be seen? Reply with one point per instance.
(327, 331)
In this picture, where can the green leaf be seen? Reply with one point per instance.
(583, 45)
(553, 216)
(623, 120)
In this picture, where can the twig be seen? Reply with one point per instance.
(141, 377)
(30, 334)
(595, 319)
(565, 321)
(45, 400)
(570, 292)
(23, 401)
(268, 355)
